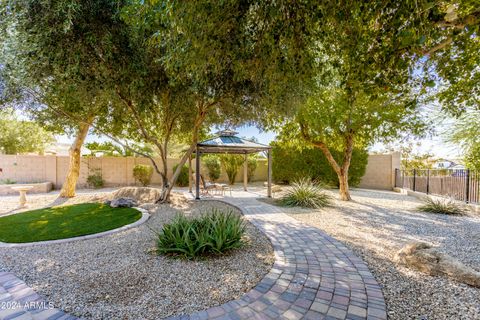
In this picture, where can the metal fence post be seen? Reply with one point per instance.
(395, 181)
(414, 178)
(428, 181)
(467, 187)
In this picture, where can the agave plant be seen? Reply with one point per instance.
(213, 233)
(441, 206)
(305, 193)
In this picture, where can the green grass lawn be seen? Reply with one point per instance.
(64, 222)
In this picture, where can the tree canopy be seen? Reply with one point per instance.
(452, 50)
(22, 136)
(55, 64)
(362, 89)
(465, 133)
(336, 75)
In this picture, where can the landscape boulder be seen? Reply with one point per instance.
(139, 194)
(123, 203)
(423, 257)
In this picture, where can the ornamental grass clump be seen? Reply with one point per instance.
(442, 206)
(213, 233)
(305, 193)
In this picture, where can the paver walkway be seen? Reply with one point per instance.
(20, 302)
(314, 276)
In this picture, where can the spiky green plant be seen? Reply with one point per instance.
(305, 193)
(213, 233)
(442, 206)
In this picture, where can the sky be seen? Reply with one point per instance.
(432, 144)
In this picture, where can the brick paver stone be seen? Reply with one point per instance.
(20, 302)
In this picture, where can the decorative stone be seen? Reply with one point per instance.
(422, 257)
(123, 203)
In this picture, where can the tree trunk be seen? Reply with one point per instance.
(68, 188)
(344, 189)
(341, 171)
(167, 189)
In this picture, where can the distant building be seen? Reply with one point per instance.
(447, 164)
(62, 149)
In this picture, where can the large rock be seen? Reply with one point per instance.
(123, 203)
(140, 194)
(421, 256)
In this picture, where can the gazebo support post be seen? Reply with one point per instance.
(245, 172)
(197, 175)
(190, 173)
(269, 178)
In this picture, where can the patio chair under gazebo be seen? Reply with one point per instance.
(226, 141)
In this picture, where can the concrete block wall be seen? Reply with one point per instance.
(27, 168)
(118, 171)
(380, 171)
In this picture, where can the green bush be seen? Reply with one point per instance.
(7, 181)
(94, 178)
(182, 180)
(289, 164)
(441, 206)
(213, 233)
(231, 163)
(214, 168)
(305, 193)
(251, 167)
(143, 173)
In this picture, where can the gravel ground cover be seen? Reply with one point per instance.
(376, 224)
(119, 277)
(9, 204)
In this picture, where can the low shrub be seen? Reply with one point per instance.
(442, 206)
(143, 173)
(95, 180)
(305, 193)
(213, 233)
(7, 181)
(214, 168)
(182, 180)
(231, 163)
(251, 167)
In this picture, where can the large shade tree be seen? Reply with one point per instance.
(150, 71)
(212, 64)
(361, 91)
(368, 74)
(52, 67)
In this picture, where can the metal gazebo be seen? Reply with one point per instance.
(226, 141)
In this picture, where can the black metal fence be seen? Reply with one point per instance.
(458, 184)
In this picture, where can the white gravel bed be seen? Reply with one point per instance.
(9, 204)
(376, 224)
(118, 276)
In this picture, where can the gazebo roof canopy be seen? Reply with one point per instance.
(226, 141)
